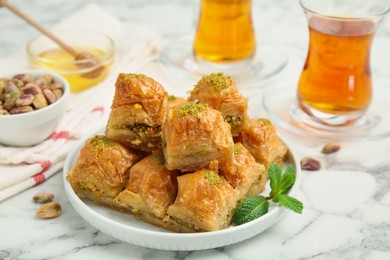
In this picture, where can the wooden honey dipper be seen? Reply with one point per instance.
(89, 59)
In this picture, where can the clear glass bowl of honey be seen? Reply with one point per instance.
(43, 53)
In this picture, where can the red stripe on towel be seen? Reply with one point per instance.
(45, 165)
(60, 135)
(53, 136)
(98, 109)
(63, 135)
(39, 178)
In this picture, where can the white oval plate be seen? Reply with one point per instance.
(128, 229)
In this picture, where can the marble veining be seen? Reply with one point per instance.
(347, 203)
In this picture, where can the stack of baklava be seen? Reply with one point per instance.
(180, 164)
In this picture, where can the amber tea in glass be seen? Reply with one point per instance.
(335, 86)
(225, 31)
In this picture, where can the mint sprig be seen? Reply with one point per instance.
(249, 209)
(253, 207)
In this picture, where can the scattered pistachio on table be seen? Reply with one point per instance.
(331, 147)
(310, 164)
(49, 210)
(24, 93)
(43, 197)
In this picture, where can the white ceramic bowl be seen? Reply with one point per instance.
(31, 128)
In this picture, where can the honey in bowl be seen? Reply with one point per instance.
(336, 78)
(225, 31)
(45, 54)
(59, 60)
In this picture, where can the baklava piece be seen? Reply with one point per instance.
(205, 202)
(221, 93)
(194, 135)
(151, 189)
(245, 175)
(101, 171)
(260, 138)
(137, 112)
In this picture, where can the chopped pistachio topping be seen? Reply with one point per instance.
(126, 77)
(192, 108)
(234, 120)
(171, 98)
(265, 121)
(213, 178)
(136, 142)
(237, 149)
(100, 141)
(219, 80)
(139, 128)
(133, 75)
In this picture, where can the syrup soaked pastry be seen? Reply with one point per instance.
(194, 135)
(205, 202)
(245, 175)
(221, 93)
(101, 171)
(260, 138)
(137, 112)
(151, 189)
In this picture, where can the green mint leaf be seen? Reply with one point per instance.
(289, 202)
(275, 177)
(288, 180)
(290, 169)
(249, 209)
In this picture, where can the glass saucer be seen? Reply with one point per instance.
(281, 106)
(269, 60)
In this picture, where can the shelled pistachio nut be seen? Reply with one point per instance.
(49, 95)
(40, 101)
(24, 100)
(49, 210)
(19, 110)
(25, 78)
(43, 197)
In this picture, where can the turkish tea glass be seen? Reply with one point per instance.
(335, 86)
(224, 41)
(225, 32)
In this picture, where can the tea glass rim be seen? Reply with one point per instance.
(386, 8)
(105, 56)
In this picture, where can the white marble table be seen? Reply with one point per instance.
(347, 203)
